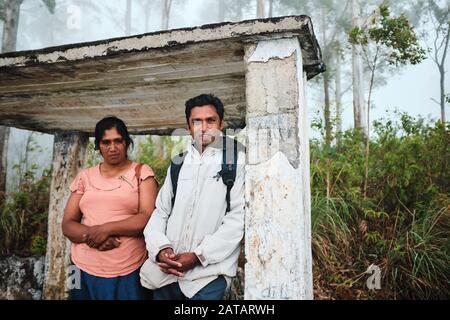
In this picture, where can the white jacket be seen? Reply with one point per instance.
(197, 222)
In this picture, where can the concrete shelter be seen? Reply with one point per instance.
(258, 68)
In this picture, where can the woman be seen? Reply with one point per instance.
(106, 215)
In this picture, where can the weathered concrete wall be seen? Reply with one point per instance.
(277, 243)
(69, 154)
(21, 278)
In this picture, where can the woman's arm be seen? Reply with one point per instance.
(71, 223)
(133, 226)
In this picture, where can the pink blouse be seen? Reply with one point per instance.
(107, 200)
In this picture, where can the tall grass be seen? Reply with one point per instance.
(23, 216)
(403, 226)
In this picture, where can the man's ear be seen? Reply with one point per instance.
(221, 124)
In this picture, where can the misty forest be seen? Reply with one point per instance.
(379, 144)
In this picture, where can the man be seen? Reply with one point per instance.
(193, 236)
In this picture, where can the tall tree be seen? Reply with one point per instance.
(4, 139)
(432, 19)
(10, 11)
(439, 17)
(146, 6)
(357, 71)
(166, 7)
(326, 78)
(260, 9)
(9, 14)
(384, 40)
(270, 8)
(338, 89)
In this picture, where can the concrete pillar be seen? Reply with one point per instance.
(278, 227)
(69, 154)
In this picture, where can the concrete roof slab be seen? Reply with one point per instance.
(143, 79)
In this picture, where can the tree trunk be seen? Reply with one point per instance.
(23, 165)
(442, 74)
(9, 39)
(338, 96)
(442, 81)
(326, 111)
(4, 138)
(270, 8)
(357, 73)
(326, 82)
(166, 14)
(260, 9)
(11, 24)
(128, 19)
(369, 101)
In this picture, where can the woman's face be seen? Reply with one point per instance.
(113, 147)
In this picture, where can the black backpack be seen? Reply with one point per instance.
(228, 172)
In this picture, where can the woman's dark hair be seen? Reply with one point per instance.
(109, 123)
(203, 100)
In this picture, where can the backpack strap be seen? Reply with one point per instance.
(137, 170)
(229, 165)
(175, 167)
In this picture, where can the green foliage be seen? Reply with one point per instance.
(403, 226)
(394, 34)
(93, 156)
(358, 36)
(158, 157)
(38, 245)
(23, 216)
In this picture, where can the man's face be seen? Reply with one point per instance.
(205, 124)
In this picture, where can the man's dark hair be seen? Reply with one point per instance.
(203, 100)
(109, 123)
